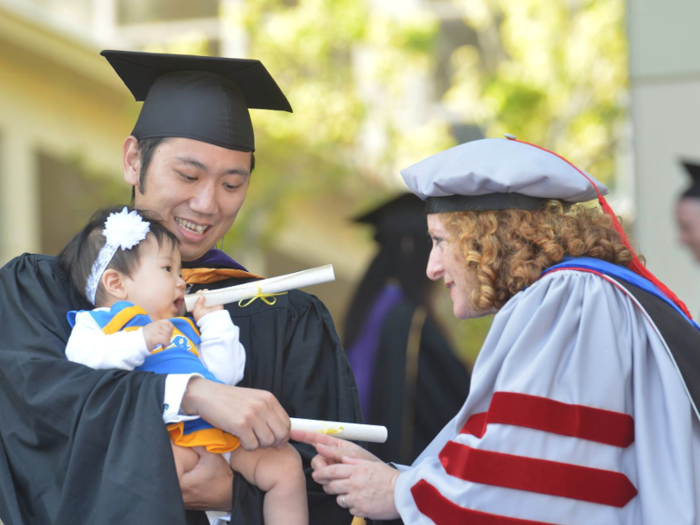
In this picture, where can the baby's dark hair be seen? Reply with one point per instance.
(78, 256)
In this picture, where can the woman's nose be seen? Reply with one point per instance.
(434, 270)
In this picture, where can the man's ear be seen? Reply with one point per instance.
(113, 284)
(132, 160)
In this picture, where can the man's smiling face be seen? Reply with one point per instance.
(196, 188)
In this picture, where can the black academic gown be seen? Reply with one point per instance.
(432, 397)
(293, 351)
(84, 446)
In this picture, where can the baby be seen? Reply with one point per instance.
(128, 266)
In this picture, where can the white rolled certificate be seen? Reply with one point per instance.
(352, 431)
(273, 285)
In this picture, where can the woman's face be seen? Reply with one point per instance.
(447, 262)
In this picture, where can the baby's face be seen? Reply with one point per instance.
(157, 285)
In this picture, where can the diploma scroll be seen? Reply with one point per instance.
(273, 285)
(352, 431)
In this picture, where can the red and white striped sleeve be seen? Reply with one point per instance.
(547, 435)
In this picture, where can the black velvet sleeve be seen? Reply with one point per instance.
(77, 445)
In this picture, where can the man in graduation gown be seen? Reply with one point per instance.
(583, 406)
(407, 373)
(688, 211)
(90, 446)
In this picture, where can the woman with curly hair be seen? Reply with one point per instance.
(505, 251)
(583, 404)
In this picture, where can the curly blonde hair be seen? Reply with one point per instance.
(507, 250)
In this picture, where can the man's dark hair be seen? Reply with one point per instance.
(147, 148)
(78, 256)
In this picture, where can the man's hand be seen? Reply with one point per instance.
(200, 310)
(209, 485)
(158, 333)
(254, 416)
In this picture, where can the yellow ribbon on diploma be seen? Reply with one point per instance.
(264, 297)
(330, 430)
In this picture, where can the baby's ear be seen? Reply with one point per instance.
(113, 284)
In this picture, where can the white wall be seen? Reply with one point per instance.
(665, 86)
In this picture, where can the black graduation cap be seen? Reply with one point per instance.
(196, 97)
(402, 214)
(693, 169)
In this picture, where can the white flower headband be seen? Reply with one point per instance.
(123, 230)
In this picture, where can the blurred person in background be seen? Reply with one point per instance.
(408, 376)
(584, 400)
(90, 446)
(688, 211)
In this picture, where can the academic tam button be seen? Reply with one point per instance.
(509, 136)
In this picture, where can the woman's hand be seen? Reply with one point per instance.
(364, 483)
(209, 485)
(331, 449)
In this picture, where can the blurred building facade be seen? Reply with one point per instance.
(60, 107)
(63, 111)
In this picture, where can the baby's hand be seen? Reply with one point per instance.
(200, 310)
(158, 333)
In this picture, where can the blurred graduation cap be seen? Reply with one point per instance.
(693, 169)
(402, 214)
(495, 174)
(196, 97)
(464, 132)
